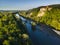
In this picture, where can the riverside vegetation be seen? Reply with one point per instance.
(49, 15)
(11, 33)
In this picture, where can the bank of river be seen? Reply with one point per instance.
(38, 36)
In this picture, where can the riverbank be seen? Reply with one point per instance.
(43, 35)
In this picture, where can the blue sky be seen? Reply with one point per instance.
(24, 4)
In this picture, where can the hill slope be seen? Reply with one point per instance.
(49, 15)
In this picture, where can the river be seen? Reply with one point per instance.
(39, 37)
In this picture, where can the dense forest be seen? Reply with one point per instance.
(12, 30)
(49, 15)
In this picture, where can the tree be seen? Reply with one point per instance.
(6, 42)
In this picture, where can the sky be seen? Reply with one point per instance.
(25, 4)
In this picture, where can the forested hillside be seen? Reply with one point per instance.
(49, 15)
(12, 33)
